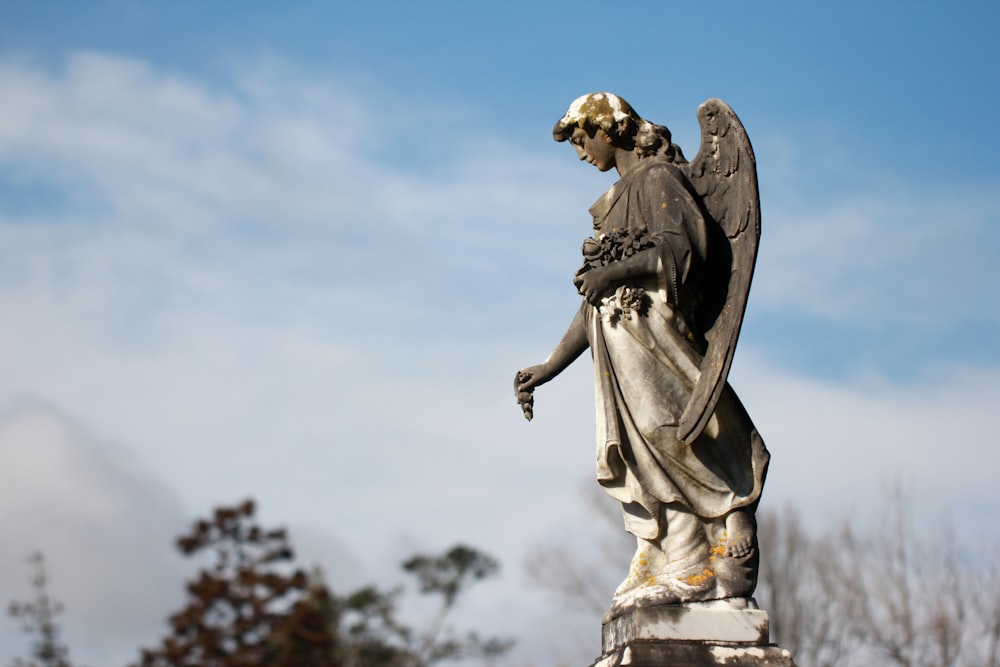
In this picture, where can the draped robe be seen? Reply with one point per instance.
(646, 364)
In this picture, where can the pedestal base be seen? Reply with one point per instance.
(729, 632)
(695, 654)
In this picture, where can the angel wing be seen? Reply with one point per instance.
(724, 174)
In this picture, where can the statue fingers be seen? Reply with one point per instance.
(526, 399)
(522, 378)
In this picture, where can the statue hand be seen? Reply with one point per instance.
(525, 381)
(593, 283)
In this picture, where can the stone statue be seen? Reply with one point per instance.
(664, 281)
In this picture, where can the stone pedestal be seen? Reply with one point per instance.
(721, 632)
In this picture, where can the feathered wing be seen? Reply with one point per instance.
(724, 174)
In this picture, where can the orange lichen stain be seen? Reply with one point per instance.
(700, 578)
(640, 570)
(719, 548)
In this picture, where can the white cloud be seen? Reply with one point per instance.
(898, 258)
(836, 447)
(105, 526)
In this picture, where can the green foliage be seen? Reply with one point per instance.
(449, 573)
(373, 637)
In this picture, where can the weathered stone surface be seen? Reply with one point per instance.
(695, 654)
(718, 621)
(664, 280)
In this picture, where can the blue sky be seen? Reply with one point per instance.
(299, 254)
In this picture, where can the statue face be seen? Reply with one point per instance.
(596, 149)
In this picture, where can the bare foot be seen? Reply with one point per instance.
(739, 534)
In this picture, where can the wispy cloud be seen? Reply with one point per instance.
(911, 258)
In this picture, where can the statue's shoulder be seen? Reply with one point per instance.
(659, 170)
(664, 177)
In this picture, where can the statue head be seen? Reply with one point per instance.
(615, 117)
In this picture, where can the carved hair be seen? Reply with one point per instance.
(626, 128)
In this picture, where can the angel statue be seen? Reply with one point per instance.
(664, 281)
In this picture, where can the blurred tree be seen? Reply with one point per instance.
(896, 592)
(804, 588)
(250, 608)
(38, 617)
(911, 589)
(308, 635)
(373, 637)
(448, 575)
(986, 609)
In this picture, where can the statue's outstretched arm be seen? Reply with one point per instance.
(572, 345)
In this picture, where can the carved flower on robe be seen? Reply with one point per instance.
(625, 301)
(614, 246)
